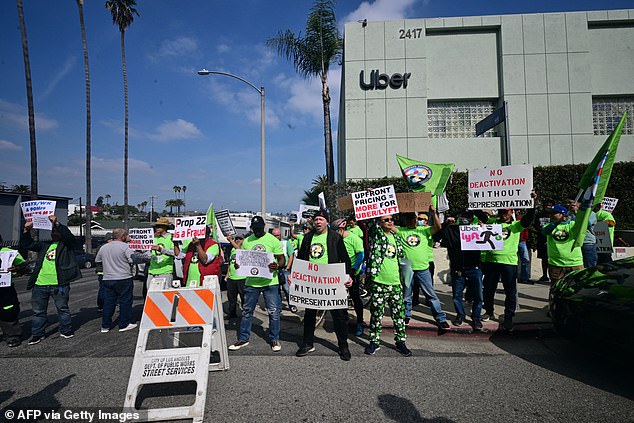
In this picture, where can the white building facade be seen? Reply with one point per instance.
(417, 88)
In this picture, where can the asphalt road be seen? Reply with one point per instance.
(526, 377)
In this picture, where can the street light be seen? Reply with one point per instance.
(262, 136)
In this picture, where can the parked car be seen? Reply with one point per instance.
(597, 304)
(85, 260)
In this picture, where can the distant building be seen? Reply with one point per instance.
(417, 87)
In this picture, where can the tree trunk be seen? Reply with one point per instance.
(29, 99)
(87, 234)
(125, 154)
(325, 95)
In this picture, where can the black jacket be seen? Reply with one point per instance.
(65, 263)
(336, 250)
(458, 259)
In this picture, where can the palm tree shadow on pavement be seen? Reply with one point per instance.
(402, 410)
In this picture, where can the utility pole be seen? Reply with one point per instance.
(152, 207)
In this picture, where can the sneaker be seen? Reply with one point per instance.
(100, 310)
(407, 319)
(105, 330)
(444, 325)
(238, 345)
(14, 343)
(344, 354)
(486, 317)
(372, 348)
(543, 279)
(36, 340)
(457, 321)
(402, 348)
(129, 327)
(359, 331)
(276, 346)
(67, 335)
(304, 351)
(508, 324)
(477, 326)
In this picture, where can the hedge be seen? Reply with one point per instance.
(553, 185)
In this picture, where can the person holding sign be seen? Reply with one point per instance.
(55, 269)
(202, 258)
(162, 254)
(261, 241)
(383, 274)
(9, 304)
(562, 258)
(322, 246)
(235, 282)
(605, 216)
(502, 264)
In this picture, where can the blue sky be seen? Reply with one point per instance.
(185, 129)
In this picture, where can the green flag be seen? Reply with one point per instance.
(211, 220)
(425, 177)
(595, 181)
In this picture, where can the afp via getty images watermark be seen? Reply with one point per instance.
(73, 415)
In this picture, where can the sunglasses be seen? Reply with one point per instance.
(389, 219)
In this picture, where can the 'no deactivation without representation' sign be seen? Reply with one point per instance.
(374, 203)
(38, 211)
(189, 227)
(141, 238)
(485, 237)
(506, 187)
(318, 286)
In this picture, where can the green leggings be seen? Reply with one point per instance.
(392, 297)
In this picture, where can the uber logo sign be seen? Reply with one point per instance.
(380, 81)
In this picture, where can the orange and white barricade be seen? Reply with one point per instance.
(191, 313)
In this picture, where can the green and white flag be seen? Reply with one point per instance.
(211, 221)
(426, 177)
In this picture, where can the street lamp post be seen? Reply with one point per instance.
(262, 135)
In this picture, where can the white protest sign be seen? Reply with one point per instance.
(38, 211)
(225, 223)
(506, 187)
(318, 286)
(374, 203)
(485, 237)
(602, 233)
(189, 227)
(141, 239)
(306, 211)
(6, 261)
(609, 204)
(294, 216)
(254, 263)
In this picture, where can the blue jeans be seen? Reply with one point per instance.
(100, 293)
(472, 278)
(493, 272)
(423, 279)
(273, 305)
(39, 303)
(590, 257)
(282, 274)
(525, 262)
(117, 291)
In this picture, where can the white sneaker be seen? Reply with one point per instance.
(238, 345)
(276, 346)
(129, 327)
(105, 330)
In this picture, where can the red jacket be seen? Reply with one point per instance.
(211, 268)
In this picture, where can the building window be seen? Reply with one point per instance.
(607, 111)
(457, 119)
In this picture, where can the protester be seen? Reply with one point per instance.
(417, 244)
(282, 273)
(201, 258)
(235, 283)
(99, 269)
(55, 269)
(162, 254)
(352, 226)
(524, 255)
(324, 245)
(589, 247)
(502, 264)
(116, 259)
(354, 248)
(423, 220)
(10, 305)
(254, 286)
(383, 274)
(605, 216)
(562, 258)
(465, 268)
(542, 249)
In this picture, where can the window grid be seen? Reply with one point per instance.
(457, 119)
(607, 111)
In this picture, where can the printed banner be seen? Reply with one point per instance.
(226, 224)
(374, 203)
(604, 242)
(6, 261)
(318, 286)
(175, 365)
(254, 263)
(306, 211)
(506, 187)
(38, 211)
(485, 237)
(189, 227)
(609, 204)
(141, 239)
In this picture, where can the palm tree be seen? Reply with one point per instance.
(123, 12)
(312, 56)
(21, 188)
(143, 205)
(170, 204)
(175, 188)
(178, 203)
(108, 197)
(29, 100)
(88, 235)
(184, 188)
